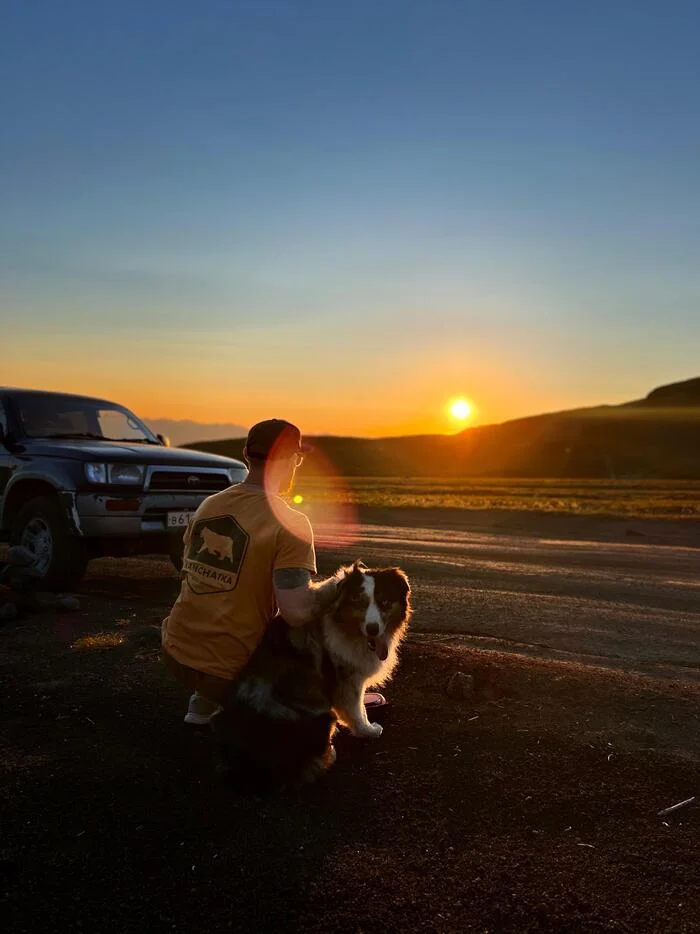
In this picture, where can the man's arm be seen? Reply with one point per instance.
(299, 600)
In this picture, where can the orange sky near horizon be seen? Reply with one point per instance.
(210, 381)
(321, 413)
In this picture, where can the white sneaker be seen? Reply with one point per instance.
(200, 710)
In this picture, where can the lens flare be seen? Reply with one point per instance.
(322, 494)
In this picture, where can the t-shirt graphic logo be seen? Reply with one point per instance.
(215, 554)
(221, 546)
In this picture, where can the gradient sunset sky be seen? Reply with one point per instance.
(347, 213)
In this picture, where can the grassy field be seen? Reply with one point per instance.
(658, 499)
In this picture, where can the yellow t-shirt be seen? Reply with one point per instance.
(235, 541)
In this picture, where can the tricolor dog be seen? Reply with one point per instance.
(301, 682)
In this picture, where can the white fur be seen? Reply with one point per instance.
(372, 615)
(354, 653)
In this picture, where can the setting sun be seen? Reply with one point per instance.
(460, 409)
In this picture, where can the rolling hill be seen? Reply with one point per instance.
(655, 437)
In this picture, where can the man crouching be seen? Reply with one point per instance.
(247, 555)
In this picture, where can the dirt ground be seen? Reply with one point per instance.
(529, 806)
(543, 525)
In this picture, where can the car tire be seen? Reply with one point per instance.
(42, 528)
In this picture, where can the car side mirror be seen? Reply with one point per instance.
(164, 440)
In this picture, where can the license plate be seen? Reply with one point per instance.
(179, 520)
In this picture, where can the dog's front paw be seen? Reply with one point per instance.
(371, 731)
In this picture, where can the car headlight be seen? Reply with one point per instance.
(96, 473)
(116, 474)
(125, 473)
(237, 474)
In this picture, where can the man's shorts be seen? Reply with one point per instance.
(219, 690)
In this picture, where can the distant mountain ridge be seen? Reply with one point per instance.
(686, 393)
(187, 432)
(655, 437)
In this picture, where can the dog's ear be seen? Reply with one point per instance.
(346, 575)
(342, 575)
(355, 570)
(397, 583)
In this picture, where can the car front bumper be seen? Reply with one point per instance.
(99, 515)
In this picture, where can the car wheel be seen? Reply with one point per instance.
(42, 529)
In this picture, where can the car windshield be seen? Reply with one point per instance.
(56, 416)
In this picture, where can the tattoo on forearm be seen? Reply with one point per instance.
(290, 578)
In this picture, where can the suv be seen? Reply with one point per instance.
(82, 478)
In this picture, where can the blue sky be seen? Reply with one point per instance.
(351, 210)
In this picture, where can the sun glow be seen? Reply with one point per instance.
(461, 409)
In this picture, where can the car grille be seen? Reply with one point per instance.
(188, 481)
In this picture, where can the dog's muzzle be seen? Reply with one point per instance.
(380, 647)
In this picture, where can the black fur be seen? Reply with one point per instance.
(263, 751)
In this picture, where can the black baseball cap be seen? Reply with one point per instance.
(275, 438)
